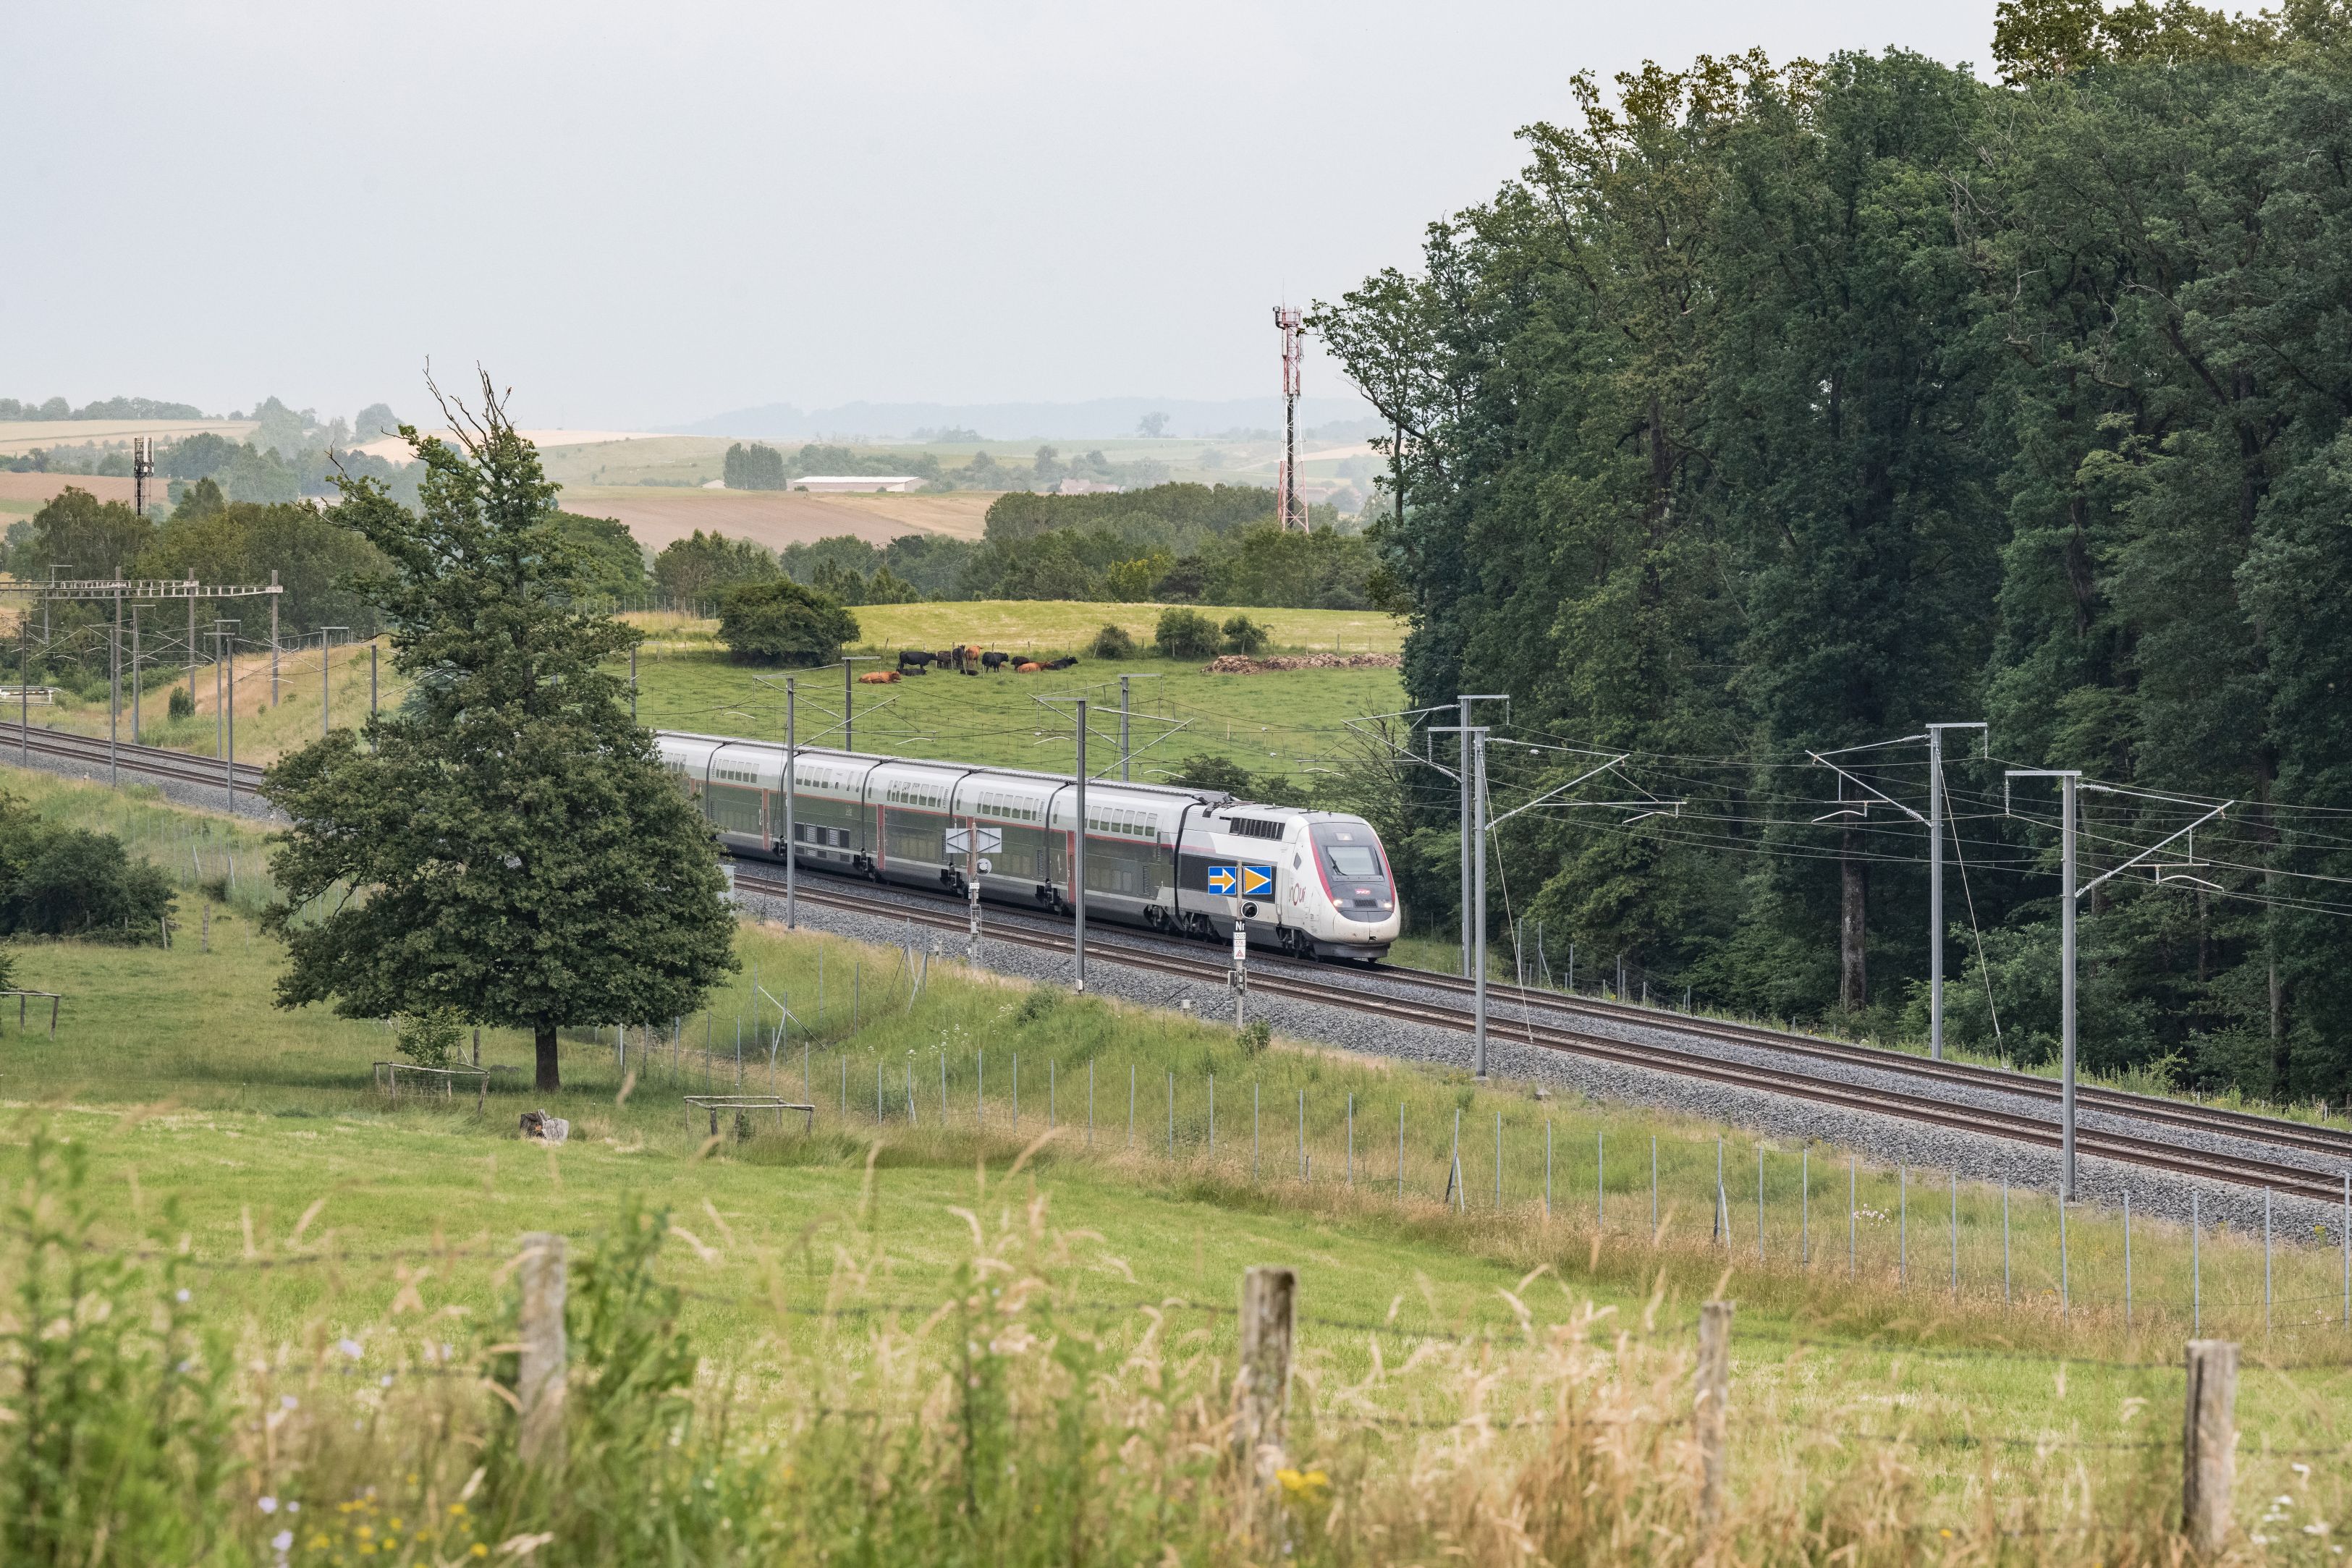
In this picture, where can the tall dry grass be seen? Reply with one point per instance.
(1028, 1414)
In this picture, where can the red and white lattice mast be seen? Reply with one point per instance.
(1287, 507)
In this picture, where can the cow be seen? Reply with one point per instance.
(946, 659)
(995, 660)
(915, 659)
(879, 678)
(1028, 667)
(1062, 664)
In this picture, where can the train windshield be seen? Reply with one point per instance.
(1349, 849)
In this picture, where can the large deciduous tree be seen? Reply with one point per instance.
(1771, 412)
(505, 843)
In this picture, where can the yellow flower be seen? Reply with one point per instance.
(1302, 1486)
(457, 1510)
(480, 1550)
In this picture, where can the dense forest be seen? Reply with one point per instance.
(1778, 411)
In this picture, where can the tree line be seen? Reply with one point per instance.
(1773, 411)
(759, 466)
(1174, 543)
(317, 561)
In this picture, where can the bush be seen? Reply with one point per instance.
(1112, 643)
(68, 882)
(430, 1039)
(183, 703)
(1186, 634)
(781, 622)
(1244, 635)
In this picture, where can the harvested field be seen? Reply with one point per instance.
(22, 435)
(30, 491)
(779, 517)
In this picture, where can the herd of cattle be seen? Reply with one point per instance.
(963, 660)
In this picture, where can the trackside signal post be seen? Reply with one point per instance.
(1239, 977)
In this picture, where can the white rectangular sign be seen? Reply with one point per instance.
(992, 840)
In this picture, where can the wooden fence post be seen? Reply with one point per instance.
(1710, 1408)
(1270, 1298)
(2209, 1441)
(544, 1353)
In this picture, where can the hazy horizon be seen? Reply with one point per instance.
(648, 219)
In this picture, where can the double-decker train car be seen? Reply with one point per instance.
(1193, 863)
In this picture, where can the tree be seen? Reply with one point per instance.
(754, 468)
(610, 562)
(1244, 635)
(1151, 426)
(703, 564)
(508, 846)
(782, 622)
(85, 536)
(238, 541)
(1185, 634)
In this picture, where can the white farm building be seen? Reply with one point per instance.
(835, 483)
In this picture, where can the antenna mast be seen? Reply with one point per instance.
(1288, 509)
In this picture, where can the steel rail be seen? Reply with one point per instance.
(161, 761)
(2326, 1140)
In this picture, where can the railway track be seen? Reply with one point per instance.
(1549, 1021)
(156, 761)
(1302, 984)
(2326, 1140)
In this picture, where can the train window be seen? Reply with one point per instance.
(1353, 860)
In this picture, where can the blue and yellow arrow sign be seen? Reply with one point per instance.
(1223, 879)
(1258, 882)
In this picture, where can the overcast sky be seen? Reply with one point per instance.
(642, 213)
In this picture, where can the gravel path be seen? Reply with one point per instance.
(1885, 1139)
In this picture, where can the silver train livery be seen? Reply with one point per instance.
(1193, 863)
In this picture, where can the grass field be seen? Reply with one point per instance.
(1281, 722)
(1286, 721)
(317, 1213)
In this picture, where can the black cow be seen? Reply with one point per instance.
(915, 659)
(995, 660)
(1062, 664)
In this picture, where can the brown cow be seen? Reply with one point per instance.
(879, 678)
(1030, 668)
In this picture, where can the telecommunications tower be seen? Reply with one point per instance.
(1287, 509)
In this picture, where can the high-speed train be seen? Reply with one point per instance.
(1194, 863)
